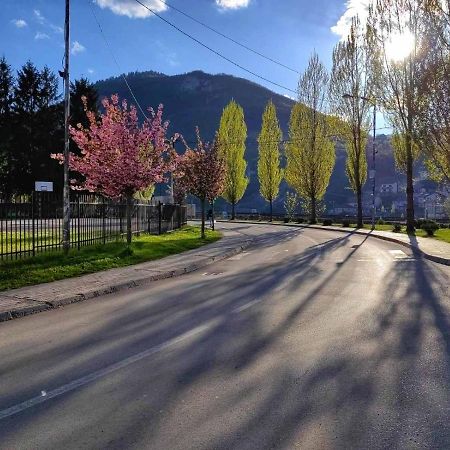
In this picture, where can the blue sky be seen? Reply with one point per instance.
(287, 30)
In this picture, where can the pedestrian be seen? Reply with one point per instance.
(210, 218)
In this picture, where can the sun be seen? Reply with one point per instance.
(399, 46)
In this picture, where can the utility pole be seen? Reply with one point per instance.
(66, 189)
(374, 152)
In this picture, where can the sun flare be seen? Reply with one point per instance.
(399, 46)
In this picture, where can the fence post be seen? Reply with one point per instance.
(33, 225)
(159, 217)
(104, 220)
(78, 221)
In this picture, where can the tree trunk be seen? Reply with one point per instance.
(212, 209)
(233, 211)
(313, 216)
(410, 225)
(129, 210)
(360, 213)
(271, 210)
(203, 218)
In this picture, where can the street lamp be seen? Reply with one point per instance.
(374, 151)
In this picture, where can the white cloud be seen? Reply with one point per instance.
(131, 8)
(77, 48)
(19, 23)
(354, 8)
(56, 28)
(39, 36)
(91, 71)
(38, 16)
(232, 4)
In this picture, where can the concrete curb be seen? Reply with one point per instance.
(36, 306)
(417, 251)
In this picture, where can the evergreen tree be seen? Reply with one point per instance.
(37, 129)
(231, 140)
(310, 153)
(79, 89)
(270, 173)
(6, 99)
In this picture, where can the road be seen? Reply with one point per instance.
(310, 339)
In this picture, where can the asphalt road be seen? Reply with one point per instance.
(310, 339)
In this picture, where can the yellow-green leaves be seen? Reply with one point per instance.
(270, 173)
(231, 139)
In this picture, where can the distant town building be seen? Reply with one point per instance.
(389, 188)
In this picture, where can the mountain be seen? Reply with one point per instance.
(197, 99)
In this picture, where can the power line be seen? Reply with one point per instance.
(256, 52)
(115, 60)
(220, 55)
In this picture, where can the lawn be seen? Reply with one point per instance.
(55, 265)
(443, 234)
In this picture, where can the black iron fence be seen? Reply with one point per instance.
(33, 224)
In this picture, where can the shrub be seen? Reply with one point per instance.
(430, 227)
(380, 221)
(300, 220)
(287, 220)
(346, 223)
(397, 228)
(327, 222)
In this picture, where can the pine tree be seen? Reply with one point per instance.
(231, 140)
(6, 99)
(79, 89)
(270, 173)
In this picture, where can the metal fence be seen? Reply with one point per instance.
(33, 224)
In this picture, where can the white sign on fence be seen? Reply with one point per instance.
(43, 186)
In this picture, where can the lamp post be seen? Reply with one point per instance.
(374, 148)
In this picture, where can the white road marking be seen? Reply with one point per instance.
(246, 306)
(398, 254)
(238, 256)
(47, 395)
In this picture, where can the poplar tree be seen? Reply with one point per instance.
(270, 173)
(231, 139)
(350, 91)
(310, 152)
(398, 84)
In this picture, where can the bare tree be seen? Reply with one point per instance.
(434, 112)
(350, 95)
(395, 36)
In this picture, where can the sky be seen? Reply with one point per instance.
(285, 30)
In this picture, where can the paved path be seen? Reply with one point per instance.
(433, 249)
(33, 299)
(308, 339)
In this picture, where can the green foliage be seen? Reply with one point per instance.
(346, 223)
(290, 204)
(430, 227)
(55, 266)
(145, 194)
(309, 153)
(231, 140)
(396, 228)
(380, 221)
(270, 173)
(400, 146)
(327, 222)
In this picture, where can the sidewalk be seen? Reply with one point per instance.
(429, 248)
(32, 299)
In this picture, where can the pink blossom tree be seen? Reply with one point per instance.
(201, 172)
(119, 156)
